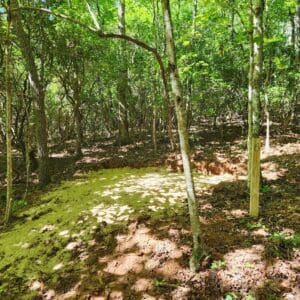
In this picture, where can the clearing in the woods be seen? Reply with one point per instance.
(123, 233)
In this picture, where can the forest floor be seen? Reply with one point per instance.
(114, 225)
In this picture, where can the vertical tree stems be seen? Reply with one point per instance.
(183, 137)
(39, 93)
(8, 121)
(250, 92)
(123, 79)
(257, 11)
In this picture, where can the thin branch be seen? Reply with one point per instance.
(108, 35)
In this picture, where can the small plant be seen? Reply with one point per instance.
(255, 225)
(218, 264)
(231, 296)
(249, 297)
(265, 188)
(281, 245)
(19, 204)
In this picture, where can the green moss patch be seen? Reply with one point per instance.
(49, 241)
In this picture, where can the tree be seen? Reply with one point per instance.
(250, 92)
(123, 79)
(257, 11)
(9, 179)
(298, 33)
(38, 90)
(180, 107)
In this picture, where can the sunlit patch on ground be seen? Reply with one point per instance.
(239, 264)
(124, 233)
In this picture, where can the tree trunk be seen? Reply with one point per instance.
(195, 12)
(183, 137)
(154, 135)
(39, 93)
(257, 11)
(77, 116)
(168, 105)
(267, 113)
(268, 72)
(297, 33)
(9, 179)
(123, 79)
(297, 64)
(250, 92)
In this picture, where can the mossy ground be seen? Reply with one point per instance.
(35, 247)
(124, 233)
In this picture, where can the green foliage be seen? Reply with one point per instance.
(269, 290)
(265, 188)
(282, 245)
(36, 243)
(231, 296)
(19, 204)
(218, 264)
(252, 226)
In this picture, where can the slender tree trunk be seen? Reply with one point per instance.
(39, 93)
(9, 180)
(154, 136)
(123, 79)
(195, 12)
(168, 105)
(77, 116)
(297, 62)
(297, 58)
(250, 92)
(232, 29)
(267, 113)
(267, 81)
(184, 137)
(258, 7)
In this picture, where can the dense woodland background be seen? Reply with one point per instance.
(149, 85)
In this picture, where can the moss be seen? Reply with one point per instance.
(37, 242)
(269, 291)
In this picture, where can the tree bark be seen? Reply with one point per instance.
(257, 11)
(39, 93)
(9, 179)
(198, 251)
(195, 12)
(297, 59)
(77, 115)
(250, 92)
(123, 79)
(268, 123)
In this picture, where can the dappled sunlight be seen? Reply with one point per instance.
(272, 170)
(58, 267)
(260, 232)
(245, 269)
(129, 231)
(64, 233)
(142, 285)
(141, 251)
(130, 262)
(111, 213)
(235, 213)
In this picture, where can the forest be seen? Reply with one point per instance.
(149, 149)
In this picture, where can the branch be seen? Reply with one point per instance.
(108, 35)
